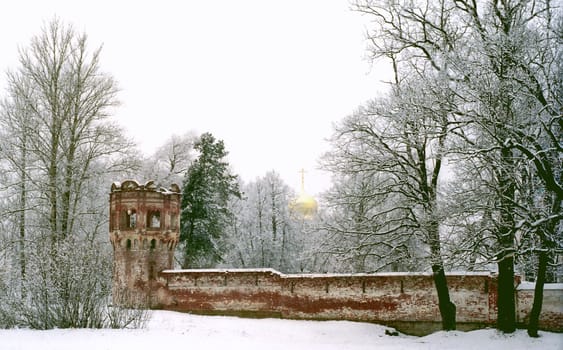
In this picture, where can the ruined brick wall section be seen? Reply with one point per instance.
(221, 291)
(382, 298)
(401, 299)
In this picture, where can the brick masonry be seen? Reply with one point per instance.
(407, 301)
(144, 249)
(551, 317)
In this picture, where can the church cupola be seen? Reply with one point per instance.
(304, 205)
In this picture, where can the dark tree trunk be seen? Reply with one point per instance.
(506, 320)
(52, 192)
(538, 295)
(68, 179)
(447, 308)
(23, 205)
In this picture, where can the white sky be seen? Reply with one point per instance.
(267, 77)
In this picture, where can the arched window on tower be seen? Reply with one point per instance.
(174, 221)
(128, 219)
(153, 219)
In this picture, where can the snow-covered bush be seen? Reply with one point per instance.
(68, 285)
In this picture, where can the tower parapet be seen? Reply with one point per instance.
(144, 231)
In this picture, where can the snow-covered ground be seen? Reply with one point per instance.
(172, 331)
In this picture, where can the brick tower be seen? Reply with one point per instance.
(144, 230)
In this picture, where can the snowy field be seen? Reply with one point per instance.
(171, 330)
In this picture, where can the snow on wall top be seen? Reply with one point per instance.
(320, 275)
(257, 270)
(532, 286)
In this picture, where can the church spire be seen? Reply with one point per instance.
(302, 180)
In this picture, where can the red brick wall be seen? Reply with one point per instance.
(551, 316)
(405, 300)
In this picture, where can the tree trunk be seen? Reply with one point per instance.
(544, 257)
(23, 205)
(538, 295)
(68, 179)
(283, 266)
(52, 190)
(447, 308)
(506, 319)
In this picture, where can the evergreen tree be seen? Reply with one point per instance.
(207, 188)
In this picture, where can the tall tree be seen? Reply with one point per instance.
(399, 143)
(207, 188)
(66, 100)
(501, 59)
(15, 128)
(59, 150)
(513, 95)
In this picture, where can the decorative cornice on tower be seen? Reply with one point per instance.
(133, 185)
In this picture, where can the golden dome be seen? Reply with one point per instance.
(305, 205)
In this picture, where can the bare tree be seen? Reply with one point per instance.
(351, 244)
(502, 60)
(171, 161)
(263, 233)
(61, 89)
(513, 95)
(60, 150)
(15, 128)
(399, 143)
